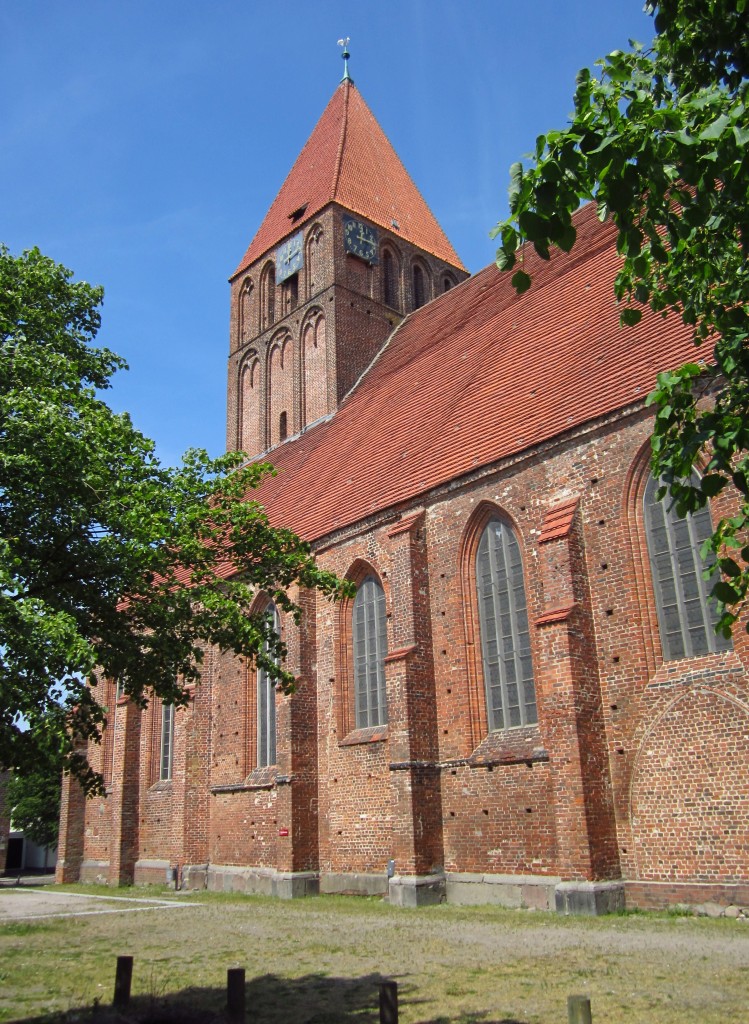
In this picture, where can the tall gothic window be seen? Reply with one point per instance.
(370, 648)
(686, 616)
(167, 742)
(266, 706)
(503, 621)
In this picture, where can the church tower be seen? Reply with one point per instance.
(347, 249)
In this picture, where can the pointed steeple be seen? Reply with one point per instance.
(349, 160)
(346, 57)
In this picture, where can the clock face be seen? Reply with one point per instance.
(289, 257)
(360, 239)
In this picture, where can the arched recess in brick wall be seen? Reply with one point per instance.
(499, 656)
(314, 260)
(676, 613)
(421, 284)
(689, 795)
(268, 295)
(447, 281)
(315, 367)
(362, 573)
(390, 276)
(250, 406)
(246, 311)
(280, 389)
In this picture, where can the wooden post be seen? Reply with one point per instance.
(122, 980)
(235, 994)
(389, 1002)
(578, 1010)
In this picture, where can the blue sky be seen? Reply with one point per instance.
(142, 142)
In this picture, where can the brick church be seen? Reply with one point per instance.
(525, 703)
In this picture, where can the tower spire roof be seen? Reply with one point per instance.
(349, 160)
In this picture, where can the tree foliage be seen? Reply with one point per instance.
(33, 797)
(112, 565)
(659, 141)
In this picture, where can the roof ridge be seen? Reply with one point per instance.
(341, 143)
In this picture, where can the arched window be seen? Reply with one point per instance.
(503, 622)
(370, 647)
(166, 752)
(419, 291)
(266, 705)
(389, 280)
(447, 283)
(686, 616)
(283, 426)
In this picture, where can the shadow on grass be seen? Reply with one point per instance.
(269, 999)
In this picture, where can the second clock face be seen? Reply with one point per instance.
(360, 239)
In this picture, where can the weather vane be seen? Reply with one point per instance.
(344, 43)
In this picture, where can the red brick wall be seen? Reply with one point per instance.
(636, 767)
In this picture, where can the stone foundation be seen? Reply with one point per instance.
(589, 898)
(353, 884)
(535, 891)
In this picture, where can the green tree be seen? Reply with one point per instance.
(658, 140)
(33, 797)
(112, 565)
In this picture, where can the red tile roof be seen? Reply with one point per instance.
(475, 376)
(348, 159)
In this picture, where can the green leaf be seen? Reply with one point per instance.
(567, 238)
(712, 484)
(629, 317)
(534, 227)
(716, 129)
(520, 281)
(516, 180)
(505, 260)
(725, 593)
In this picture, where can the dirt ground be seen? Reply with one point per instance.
(321, 960)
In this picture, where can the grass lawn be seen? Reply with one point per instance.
(320, 960)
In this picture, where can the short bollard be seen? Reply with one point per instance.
(578, 1010)
(389, 1002)
(122, 980)
(235, 993)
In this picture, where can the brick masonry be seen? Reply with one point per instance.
(635, 770)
